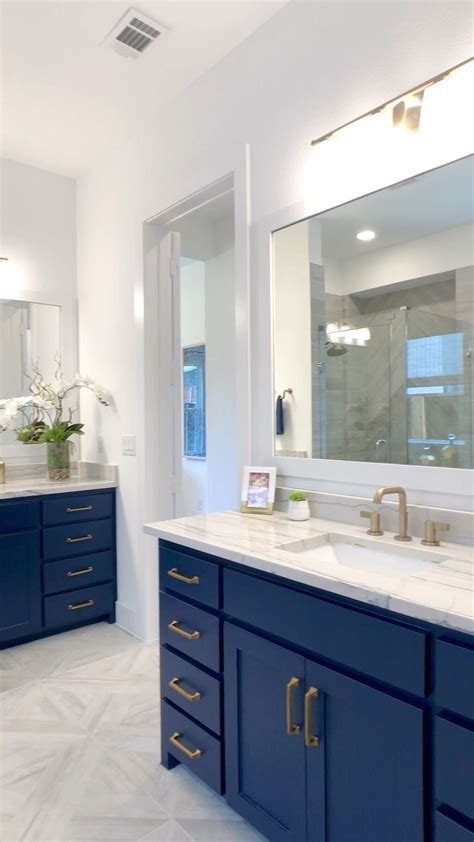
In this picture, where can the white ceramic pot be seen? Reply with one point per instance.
(298, 510)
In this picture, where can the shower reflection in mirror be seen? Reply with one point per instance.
(373, 321)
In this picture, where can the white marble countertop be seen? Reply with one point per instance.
(443, 595)
(33, 487)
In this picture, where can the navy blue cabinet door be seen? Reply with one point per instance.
(265, 767)
(20, 585)
(365, 777)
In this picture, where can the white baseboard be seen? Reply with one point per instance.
(127, 619)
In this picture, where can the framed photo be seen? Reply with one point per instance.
(258, 490)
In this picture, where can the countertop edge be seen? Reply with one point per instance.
(360, 593)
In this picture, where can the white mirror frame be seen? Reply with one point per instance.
(69, 352)
(450, 488)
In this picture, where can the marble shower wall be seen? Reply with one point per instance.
(361, 411)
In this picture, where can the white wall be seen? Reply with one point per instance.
(430, 255)
(292, 335)
(310, 68)
(38, 229)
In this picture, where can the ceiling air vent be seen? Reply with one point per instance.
(133, 34)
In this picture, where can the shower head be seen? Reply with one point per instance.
(333, 349)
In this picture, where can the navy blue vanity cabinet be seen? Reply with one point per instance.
(57, 563)
(265, 750)
(20, 571)
(364, 769)
(331, 720)
(306, 743)
(454, 740)
(191, 678)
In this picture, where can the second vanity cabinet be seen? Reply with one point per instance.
(57, 563)
(320, 718)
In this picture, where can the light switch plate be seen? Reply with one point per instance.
(129, 447)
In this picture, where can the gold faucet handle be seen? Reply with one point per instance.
(431, 526)
(374, 518)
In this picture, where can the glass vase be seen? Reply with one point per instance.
(59, 458)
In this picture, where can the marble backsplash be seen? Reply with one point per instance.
(346, 509)
(82, 470)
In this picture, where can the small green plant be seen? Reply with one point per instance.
(61, 431)
(297, 496)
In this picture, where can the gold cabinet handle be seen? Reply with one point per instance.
(291, 728)
(192, 754)
(78, 509)
(75, 607)
(190, 697)
(76, 540)
(80, 572)
(175, 574)
(310, 739)
(173, 626)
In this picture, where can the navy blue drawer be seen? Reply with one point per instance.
(189, 576)
(384, 650)
(62, 541)
(454, 688)
(15, 516)
(76, 509)
(80, 572)
(191, 630)
(178, 730)
(74, 607)
(192, 689)
(447, 830)
(454, 766)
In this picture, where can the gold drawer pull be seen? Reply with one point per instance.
(175, 574)
(76, 540)
(80, 572)
(190, 697)
(192, 754)
(173, 626)
(310, 739)
(72, 607)
(291, 728)
(78, 509)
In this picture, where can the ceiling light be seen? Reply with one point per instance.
(366, 235)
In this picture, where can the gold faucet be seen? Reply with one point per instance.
(402, 508)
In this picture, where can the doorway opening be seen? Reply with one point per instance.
(197, 350)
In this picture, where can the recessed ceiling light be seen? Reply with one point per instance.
(365, 236)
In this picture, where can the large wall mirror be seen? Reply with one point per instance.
(373, 326)
(30, 335)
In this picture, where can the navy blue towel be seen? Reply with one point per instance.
(280, 416)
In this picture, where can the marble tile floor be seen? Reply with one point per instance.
(79, 748)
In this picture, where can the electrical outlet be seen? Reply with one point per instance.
(100, 445)
(129, 445)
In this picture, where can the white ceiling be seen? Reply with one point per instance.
(432, 202)
(65, 98)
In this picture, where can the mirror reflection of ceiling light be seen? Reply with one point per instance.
(366, 235)
(344, 334)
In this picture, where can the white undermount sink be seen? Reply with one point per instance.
(348, 551)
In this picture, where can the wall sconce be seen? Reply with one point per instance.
(405, 110)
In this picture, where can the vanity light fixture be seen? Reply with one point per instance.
(366, 235)
(343, 334)
(405, 109)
